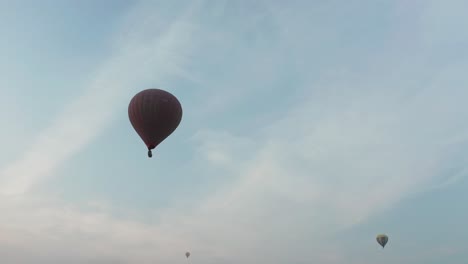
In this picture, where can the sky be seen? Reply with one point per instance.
(309, 127)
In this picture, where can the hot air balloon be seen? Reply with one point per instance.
(187, 254)
(382, 240)
(154, 114)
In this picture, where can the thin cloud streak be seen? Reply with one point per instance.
(354, 147)
(89, 115)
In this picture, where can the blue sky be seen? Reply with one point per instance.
(309, 127)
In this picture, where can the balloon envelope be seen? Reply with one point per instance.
(187, 254)
(382, 240)
(154, 114)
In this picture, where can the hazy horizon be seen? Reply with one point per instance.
(308, 128)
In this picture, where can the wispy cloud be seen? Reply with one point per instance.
(360, 139)
(142, 53)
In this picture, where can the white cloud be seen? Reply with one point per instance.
(143, 54)
(353, 147)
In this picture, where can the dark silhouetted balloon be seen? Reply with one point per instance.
(155, 114)
(382, 240)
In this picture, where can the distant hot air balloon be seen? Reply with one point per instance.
(382, 240)
(154, 114)
(187, 254)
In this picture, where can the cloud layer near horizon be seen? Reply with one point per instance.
(360, 132)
